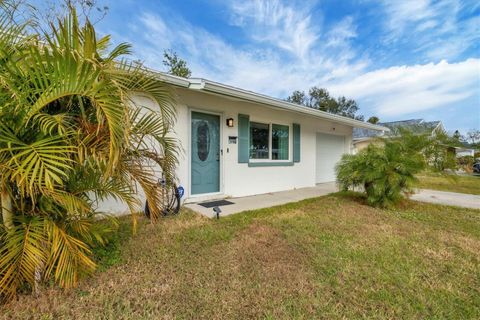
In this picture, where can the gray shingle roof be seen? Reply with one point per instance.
(415, 125)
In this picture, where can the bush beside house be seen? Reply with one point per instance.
(386, 173)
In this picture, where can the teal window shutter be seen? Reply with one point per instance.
(296, 142)
(243, 137)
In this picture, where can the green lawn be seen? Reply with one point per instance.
(327, 258)
(452, 183)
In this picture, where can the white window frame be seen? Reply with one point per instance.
(290, 142)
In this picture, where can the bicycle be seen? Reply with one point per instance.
(170, 199)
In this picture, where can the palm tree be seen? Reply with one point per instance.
(71, 134)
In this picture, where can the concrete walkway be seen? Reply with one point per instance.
(277, 198)
(447, 198)
(267, 200)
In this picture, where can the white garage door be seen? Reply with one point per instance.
(329, 151)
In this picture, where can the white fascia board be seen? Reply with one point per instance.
(170, 79)
(357, 140)
(214, 87)
(225, 90)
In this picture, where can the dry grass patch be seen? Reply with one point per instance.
(325, 258)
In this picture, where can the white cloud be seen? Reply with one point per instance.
(342, 32)
(402, 13)
(407, 89)
(452, 46)
(286, 26)
(157, 27)
(438, 29)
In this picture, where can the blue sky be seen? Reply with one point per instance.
(399, 59)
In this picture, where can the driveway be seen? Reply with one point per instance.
(447, 198)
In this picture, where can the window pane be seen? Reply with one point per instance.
(258, 140)
(280, 142)
(203, 141)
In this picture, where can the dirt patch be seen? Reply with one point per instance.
(259, 264)
(264, 247)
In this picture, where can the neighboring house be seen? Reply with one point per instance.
(464, 151)
(362, 137)
(240, 143)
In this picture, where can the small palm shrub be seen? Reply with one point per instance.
(385, 173)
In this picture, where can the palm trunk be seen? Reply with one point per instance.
(7, 208)
(37, 279)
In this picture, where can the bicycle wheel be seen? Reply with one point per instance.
(169, 202)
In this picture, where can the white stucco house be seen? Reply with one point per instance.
(238, 143)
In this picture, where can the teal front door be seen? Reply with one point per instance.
(205, 153)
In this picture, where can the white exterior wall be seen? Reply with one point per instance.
(465, 152)
(238, 179)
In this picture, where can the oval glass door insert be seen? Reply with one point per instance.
(203, 141)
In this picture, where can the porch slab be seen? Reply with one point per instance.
(266, 200)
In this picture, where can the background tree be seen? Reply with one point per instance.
(458, 136)
(51, 10)
(347, 108)
(298, 97)
(473, 137)
(373, 120)
(175, 64)
(438, 152)
(320, 99)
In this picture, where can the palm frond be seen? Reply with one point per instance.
(21, 253)
(70, 257)
(73, 204)
(120, 50)
(50, 124)
(38, 165)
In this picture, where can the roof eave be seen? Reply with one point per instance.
(219, 88)
(170, 79)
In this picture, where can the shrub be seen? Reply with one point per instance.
(465, 160)
(385, 173)
(466, 163)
